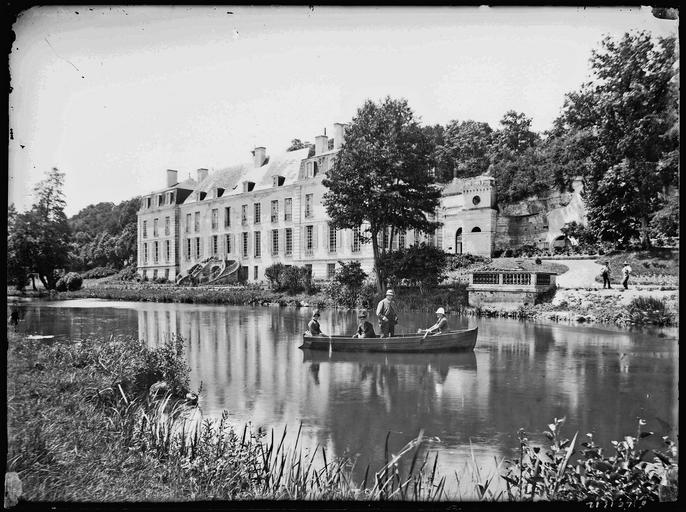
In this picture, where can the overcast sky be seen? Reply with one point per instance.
(114, 96)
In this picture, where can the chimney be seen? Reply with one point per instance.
(321, 144)
(202, 174)
(172, 177)
(260, 156)
(338, 135)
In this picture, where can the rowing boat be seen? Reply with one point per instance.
(446, 342)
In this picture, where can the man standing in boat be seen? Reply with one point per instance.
(385, 312)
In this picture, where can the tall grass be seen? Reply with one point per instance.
(650, 310)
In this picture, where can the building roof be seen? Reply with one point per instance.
(286, 164)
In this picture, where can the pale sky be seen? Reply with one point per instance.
(114, 96)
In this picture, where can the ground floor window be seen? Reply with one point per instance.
(257, 269)
(330, 270)
(167, 250)
(289, 241)
(197, 248)
(166, 274)
(309, 268)
(188, 248)
(145, 253)
(228, 244)
(245, 244)
(154, 274)
(258, 244)
(215, 244)
(275, 242)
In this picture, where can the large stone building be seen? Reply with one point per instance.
(269, 210)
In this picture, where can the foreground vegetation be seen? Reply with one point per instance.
(109, 419)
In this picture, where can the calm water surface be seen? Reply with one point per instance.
(521, 374)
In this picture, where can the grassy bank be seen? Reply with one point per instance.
(656, 267)
(85, 424)
(453, 298)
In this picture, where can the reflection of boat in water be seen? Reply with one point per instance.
(464, 360)
(450, 341)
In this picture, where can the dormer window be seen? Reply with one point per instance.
(278, 181)
(219, 192)
(148, 202)
(202, 195)
(248, 186)
(160, 200)
(311, 169)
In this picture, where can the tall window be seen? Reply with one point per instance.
(156, 253)
(197, 248)
(145, 253)
(227, 216)
(148, 202)
(308, 205)
(228, 244)
(439, 238)
(145, 229)
(258, 244)
(245, 244)
(289, 241)
(215, 245)
(197, 221)
(256, 272)
(258, 212)
(386, 238)
(167, 223)
(401, 240)
(275, 242)
(215, 218)
(244, 214)
(188, 248)
(275, 211)
(188, 223)
(309, 239)
(160, 200)
(154, 227)
(356, 239)
(333, 234)
(330, 270)
(288, 209)
(167, 250)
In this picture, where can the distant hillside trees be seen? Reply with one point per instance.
(104, 234)
(37, 240)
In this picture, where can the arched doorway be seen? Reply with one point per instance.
(458, 241)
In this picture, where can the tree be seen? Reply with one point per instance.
(380, 178)
(629, 110)
(297, 144)
(39, 239)
(465, 150)
(18, 248)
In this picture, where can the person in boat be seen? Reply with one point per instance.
(440, 326)
(385, 312)
(313, 326)
(365, 328)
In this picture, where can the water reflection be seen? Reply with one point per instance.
(520, 375)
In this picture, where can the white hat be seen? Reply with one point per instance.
(441, 311)
(389, 292)
(362, 314)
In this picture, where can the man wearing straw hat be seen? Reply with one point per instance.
(365, 329)
(626, 272)
(385, 312)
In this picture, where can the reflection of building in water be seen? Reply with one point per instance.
(156, 323)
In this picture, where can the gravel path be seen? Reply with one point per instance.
(581, 274)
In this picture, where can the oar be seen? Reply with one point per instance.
(425, 335)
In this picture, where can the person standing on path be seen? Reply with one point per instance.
(626, 272)
(385, 312)
(606, 275)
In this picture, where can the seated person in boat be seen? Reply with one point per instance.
(365, 329)
(313, 327)
(440, 326)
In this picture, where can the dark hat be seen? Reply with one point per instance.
(316, 313)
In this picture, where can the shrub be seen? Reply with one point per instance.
(624, 480)
(99, 272)
(69, 282)
(296, 279)
(649, 310)
(274, 274)
(160, 280)
(420, 265)
(457, 261)
(344, 289)
(128, 274)
(509, 253)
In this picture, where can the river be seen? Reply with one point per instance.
(469, 406)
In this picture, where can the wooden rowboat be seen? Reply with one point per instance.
(447, 342)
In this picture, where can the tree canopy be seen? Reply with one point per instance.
(381, 177)
(627, 118)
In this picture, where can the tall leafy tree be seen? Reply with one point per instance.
(39, 239)
(465, 149)
(629, 112)
(380, 178)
